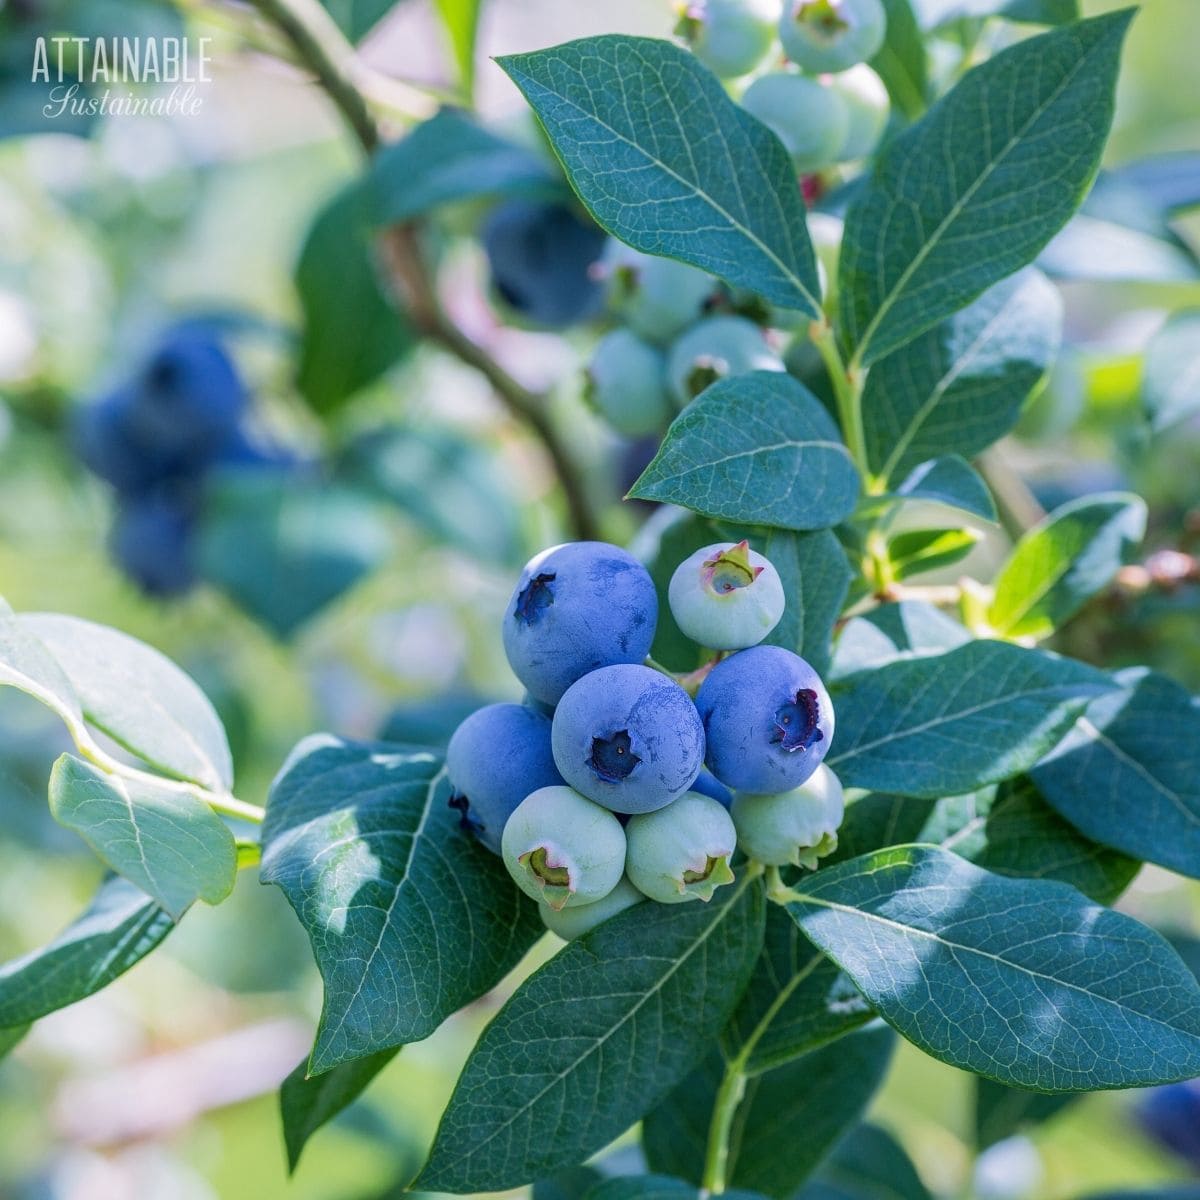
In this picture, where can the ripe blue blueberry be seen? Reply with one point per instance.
(543, 261)
(562, 849)
(681, 852)
(577, 607)
(151, 540)
(713, 349)
(731, 37)
(707, 784)
(627, 384)
(867, 105)
(831, 35)
(496, 757)
(768, 720)
(797, 827)
(629, 738)
(726, 596)
(570, 923)
(657, 298)
(808, 116)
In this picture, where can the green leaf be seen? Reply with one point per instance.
(1001, 1112)
(903, 629)
(666, 161)
(356, 18)
(9, 1039)
(461, 21)
(28, 665)
(308, 1103)
(1012, 831)
(284, 546)
(654, 1187)
(118, 929)
(1182, 1191)
(867, 1164)
(409, 917)
(928, 549)
(960, 386)
(797, 1000)
(820, 1094)
(352, 333)
(450, 487)
(759, 449)
(594, 1039)
(1171, 372)
(164, 839)
(876, 821)
(1128, 773)
(451, 157)
(571, 1183)
(1022, 980)
(946, 724)
(137, 696)
(1063, 561)
(950, 480)
(998, 165)
(901, 61)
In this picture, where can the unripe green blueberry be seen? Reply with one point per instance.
(570, 923)
(825, 233)
(714, 349)
(681, 852)
(730, 37)
(627, 384)
(807, 116)
(562, 849)
(658, 298)
(797, 827)
(831, 35)
(726, 596)
(867, 105)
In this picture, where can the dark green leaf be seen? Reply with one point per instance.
(119, 928)
(164, 839)
(409, 917)
(137, 696)
(901, 62)
(759, 449)
(959, 387)
(998, 165)
(352, 333)
(308, 1103)
(904, 629)
(787, 1122)
(653, 1187)
(868, 1164)
(594, 1039)
(572, 1183)
(950, 480)
(356, 18)
(796, 1001)
(667, 162)
(1022, 980)
(1128, 774)
(1171, 372)
(876, 821)
(448, 158)
(1002, 1111)
(928, 549)
(10, 1037)
(945, 724)
(1182, 1191)
(1063, 561)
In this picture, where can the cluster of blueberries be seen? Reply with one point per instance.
(615, 781)
(155, 439)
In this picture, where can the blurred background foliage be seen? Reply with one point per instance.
(423, 489)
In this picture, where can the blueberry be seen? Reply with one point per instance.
(726, 596)
(681, 852)
(562, 849)
(627, 384)
(797, 827)
(570, 923)
(707, 784)
(767, 718)
(808, 116)
(577, 607)
(731, 37)
(496, 757)
(867, 105)
(543, 260)
(103, 441)
(151, 540)
(713, 349)
(628, 737)
(831, 35)
(657, 298)
(1171, 1115)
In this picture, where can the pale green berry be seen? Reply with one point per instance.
(726, 596)
(808, 116)
(717, 348)
(797, 827)
(681, 852)
(562, 849)
(657, 298)
(730, 37)
(831, 35)
(627, 384)
(570, 923)
(866, 102)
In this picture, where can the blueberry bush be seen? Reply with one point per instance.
(830, 723)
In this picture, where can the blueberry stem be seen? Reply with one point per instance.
(847, 387)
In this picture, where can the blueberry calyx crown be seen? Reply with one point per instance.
(559, 877)
(825, 15)
(730, 570)
(797, 723)
(613, 758)
(709, 867)
(706, 370)
(535, 597)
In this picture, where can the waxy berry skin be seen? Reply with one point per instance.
(574, 921)
(681, 852)
(713, 349)
(629, 738)
(627, 384)
(768, 720)
(496, 757)
(808, 116)
(831, 35)
(726, 596)
(730, 37)
(576, 608)
(795, 828)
